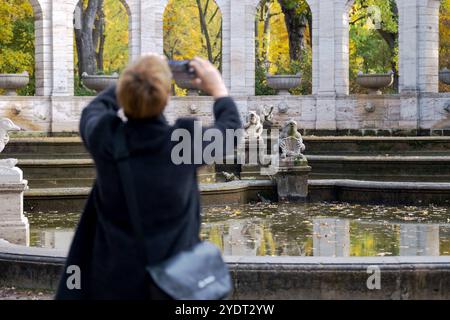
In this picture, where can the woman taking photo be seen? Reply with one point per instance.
(112, 261)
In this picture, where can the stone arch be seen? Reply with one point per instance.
(41, 78)
(220, 7)
(128, 7)
(255, 4)
(346, 20)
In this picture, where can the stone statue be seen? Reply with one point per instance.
(229, 176)
(253, 127)
(6, 125)
(266, 114)
(14, 226)
(291, 141)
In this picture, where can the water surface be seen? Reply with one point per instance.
(318, 229)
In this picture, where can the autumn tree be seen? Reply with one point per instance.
(273, 49)
(374, 38)
(86, 14)
(101, 38)
(17, 40)
(298, 19)
(193, 27)
(444, 43)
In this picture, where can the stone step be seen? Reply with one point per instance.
(45, 148)
(58, 173)
(72, 147)
(68, 173)
(381, 168)
(62, 173)
(377, 145)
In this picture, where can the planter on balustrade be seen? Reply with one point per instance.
(444, 76)
(282, 83)
(13, 82)
(375, 82)
(192, 89)
(99, 82)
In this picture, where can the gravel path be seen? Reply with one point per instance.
(23, 294)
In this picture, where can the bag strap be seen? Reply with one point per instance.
(121, 156)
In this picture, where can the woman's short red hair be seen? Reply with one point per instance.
(143, 89)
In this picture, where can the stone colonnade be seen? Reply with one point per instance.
(418, 43)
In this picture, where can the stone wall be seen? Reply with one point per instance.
(353, 112)
(330, 108)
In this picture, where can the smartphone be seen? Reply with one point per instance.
(181, 70)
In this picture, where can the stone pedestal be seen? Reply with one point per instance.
(14, 225)
(292, 180)
(252, 156)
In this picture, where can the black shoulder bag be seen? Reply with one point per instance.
(197, 274)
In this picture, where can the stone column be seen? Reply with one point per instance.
(326, 13)
(13, 224)
(408, 63)
(428, 39)
(62, 68)
(133, 10)
(151, 26)
(62, 47)
(42, 46)
(241, 41)
(225, 9)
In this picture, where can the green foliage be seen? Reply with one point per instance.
(272, 45)
(369, 51)
(116, 51)
(80, 89)
(17, 40)
(261, 88)
(444, 44)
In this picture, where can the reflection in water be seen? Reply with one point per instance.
(56, 239)
(331, 237)
(419, 240)
(320, 229)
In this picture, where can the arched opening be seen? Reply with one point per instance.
(444, 43)
(283, 44)
(192, 28)
(373, 45)
(18, 21)
(101, 42)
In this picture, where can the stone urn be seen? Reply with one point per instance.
(375, 82)
(283, 83)
(99, 82)
(12, 82)
(444, 76)
(192, 89)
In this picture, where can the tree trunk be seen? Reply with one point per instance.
(204, 28)
(296, 25)
(266, 32)
(84, 38)
(390, 39)
(99, 35)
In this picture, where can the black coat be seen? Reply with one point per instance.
(104, 246)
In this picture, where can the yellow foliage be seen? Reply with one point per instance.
(117, 38)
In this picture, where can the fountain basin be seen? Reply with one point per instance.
(322, 241)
